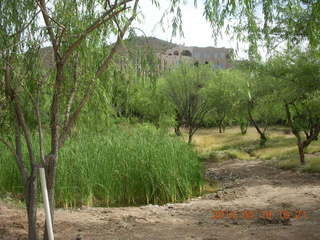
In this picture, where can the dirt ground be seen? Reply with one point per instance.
(250, 192)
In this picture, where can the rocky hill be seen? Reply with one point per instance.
(132, 45)
(158, 45)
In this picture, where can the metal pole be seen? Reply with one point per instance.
(46, 203)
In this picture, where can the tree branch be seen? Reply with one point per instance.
(104, 18)
(18, 112)
(106, 62)
(73, 92)
(19, 154)
(71, 121)
(46, 18)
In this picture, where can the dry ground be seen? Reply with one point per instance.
(247, 189)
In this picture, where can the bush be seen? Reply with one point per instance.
(128, 166)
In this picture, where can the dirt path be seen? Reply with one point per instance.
(249, 189)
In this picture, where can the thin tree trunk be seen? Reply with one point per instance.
(243, 127)
(300, 144)
(263, 137)
(220, 123)
(29, 181)
(31, 204)
(177, 130)
(301, 153)
(190, 135)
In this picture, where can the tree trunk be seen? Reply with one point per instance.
(178, 124)
(30, 191)
(301, 153)
(243, 127)
(221, 126)
(263, 137)
(177, 130)
(301, 145)
(29, 182)
(190, 135)
(189, 139)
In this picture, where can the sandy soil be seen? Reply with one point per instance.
(248, 190)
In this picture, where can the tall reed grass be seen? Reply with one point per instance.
(119, 167)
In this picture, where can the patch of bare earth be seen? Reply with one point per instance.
(238, 211)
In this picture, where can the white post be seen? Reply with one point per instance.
(46, 203)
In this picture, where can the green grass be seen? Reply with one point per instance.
(117, 168)
(280, 148)
(289, 164)
(312, 166)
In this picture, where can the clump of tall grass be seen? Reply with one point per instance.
(119, 167)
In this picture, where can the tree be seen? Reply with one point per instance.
(72, 28)
(296, 84)
(222, 96)
(266, 21)
(150, 105)
(17, 17)
(254, 102)
(184, 88)
(297, 23)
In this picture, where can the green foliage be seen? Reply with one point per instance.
(267, 21)
(313, 166)
(118, 167)
(130, 90)
(153, 107)
(289, 164)
(184, 88)
(256, 94)
(295, 81)
(223, 96)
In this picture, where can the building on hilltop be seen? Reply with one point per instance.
(164, 54)
(216, 57)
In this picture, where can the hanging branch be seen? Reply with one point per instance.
(107, 16)
(68, 125)
(12, 94)
(106, 62)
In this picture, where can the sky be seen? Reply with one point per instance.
(197, 31)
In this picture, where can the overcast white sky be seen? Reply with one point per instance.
(197, 31)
